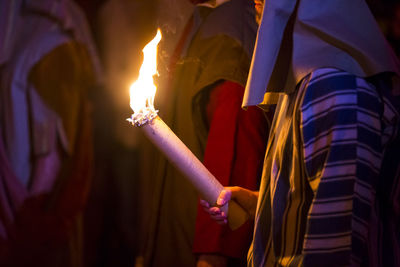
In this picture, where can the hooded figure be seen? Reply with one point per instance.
(47, 65)
(208, 74)
(329, 194)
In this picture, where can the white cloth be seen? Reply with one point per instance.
(297, 37)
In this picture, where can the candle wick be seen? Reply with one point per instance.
(143, 117)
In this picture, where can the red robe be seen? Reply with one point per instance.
(234, 154)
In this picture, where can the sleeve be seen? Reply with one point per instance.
(342, 151)
(234, 154)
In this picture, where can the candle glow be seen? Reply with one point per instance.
(143, 90)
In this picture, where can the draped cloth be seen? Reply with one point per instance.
(294, 34)
(329, 193)
(48, 64)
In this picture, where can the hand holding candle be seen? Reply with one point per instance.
(142, 97)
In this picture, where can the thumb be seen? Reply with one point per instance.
(224, 197)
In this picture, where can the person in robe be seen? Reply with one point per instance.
(209, 69)
(47, 66)
(329, 194)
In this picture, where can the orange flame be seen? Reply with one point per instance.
(143, 90)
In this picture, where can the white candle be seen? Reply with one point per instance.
(191, 167)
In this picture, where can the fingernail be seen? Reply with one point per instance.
(205, 204)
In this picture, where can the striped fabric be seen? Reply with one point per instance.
(330, 189)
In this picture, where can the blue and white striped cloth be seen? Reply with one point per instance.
(330, 193)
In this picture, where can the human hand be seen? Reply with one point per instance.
(247, 199)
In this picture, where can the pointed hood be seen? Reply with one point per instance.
(296, 37)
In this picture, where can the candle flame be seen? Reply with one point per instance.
(143, 90)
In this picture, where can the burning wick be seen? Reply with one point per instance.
(144, 115)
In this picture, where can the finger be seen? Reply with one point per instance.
(212, 210)
(207, 211)
(224, 197)
(219, 216)
(215, 210)
(204, 203)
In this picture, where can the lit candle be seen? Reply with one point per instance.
(144, 115)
